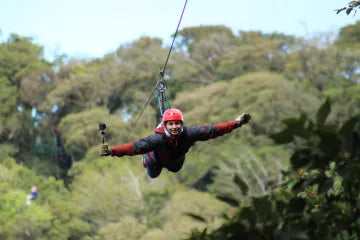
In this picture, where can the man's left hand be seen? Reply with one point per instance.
(243, 118)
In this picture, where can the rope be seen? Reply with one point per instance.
(141, 112)
(160, 84)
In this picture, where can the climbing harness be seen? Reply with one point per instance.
(161, 87)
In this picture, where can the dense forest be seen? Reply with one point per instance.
(291, 173)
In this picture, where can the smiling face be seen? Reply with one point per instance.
(173, 127)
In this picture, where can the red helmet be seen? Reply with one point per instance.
(173, 114)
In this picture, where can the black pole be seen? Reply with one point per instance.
(102, 127)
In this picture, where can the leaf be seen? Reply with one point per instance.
(248, 214)
(300, 158)
(297, 205)
(349, 126)
(326, 185)
(323, 113)
(330, 143)
(294, 235)
(263, 207)
(285, 136)
(229, 200)
(340, 10)
(297, 126)
(355, 3)
(195, 217)
(241, 184)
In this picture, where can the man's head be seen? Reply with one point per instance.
(173, 121)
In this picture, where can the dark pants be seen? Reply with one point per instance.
(154, 168)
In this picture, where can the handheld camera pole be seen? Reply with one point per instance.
(102, 127)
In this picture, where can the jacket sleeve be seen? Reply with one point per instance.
(206, 132)
(137, 147)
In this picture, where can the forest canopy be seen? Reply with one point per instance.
(292, 172)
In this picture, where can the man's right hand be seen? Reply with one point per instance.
(104, 150)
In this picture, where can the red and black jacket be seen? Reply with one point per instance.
(170, 151)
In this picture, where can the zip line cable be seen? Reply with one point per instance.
(172, 44)
(160, 82)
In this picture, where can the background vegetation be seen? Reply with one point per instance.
(293, 173)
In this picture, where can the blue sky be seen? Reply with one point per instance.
(88, 28)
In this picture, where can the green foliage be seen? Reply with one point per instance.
(250, 172)
(349, 36)
(319, 197)
(322, 68)
(18, 55)
(255, 52)
(25, 78)
(213, 75)
(153, 203)
(8, 119)
(20, 220)
(267, 96)
(154, 234)
(80, 131)
(7, 150)
(191, 35)
(109, 189)
(50, 216)
(319, 138)
(128, 228)
(182, 210)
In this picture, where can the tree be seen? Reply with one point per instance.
(255, 51)
(128, 228)
(191, 209)
(24, 79)
(322, 68)
(265, 95)
(351, 7)
(52, 215)
(349, 37)
(318, 199)
(189, 36)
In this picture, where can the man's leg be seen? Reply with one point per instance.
(179, 164)
(149, 161)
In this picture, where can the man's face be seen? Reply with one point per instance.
(174, 127)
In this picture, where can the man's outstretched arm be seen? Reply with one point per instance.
(205, 132)
(137, 147)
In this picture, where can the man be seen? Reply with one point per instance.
(171, 141)
(32, 196)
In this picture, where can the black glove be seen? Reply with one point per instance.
(243, 118)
